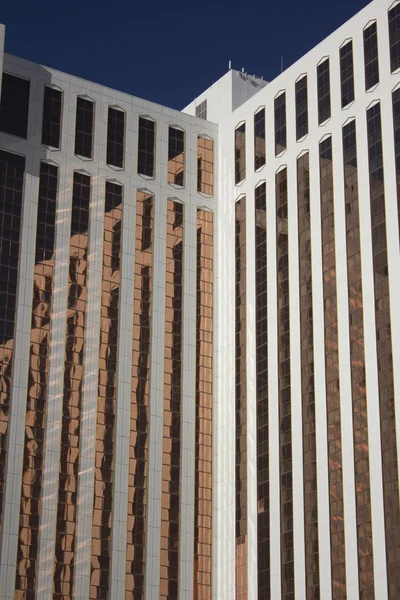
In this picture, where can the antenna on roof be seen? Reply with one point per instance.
(230, 65)
(281, 64)
(242, 69)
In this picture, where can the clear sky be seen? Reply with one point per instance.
(168, 51)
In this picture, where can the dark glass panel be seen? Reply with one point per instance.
(84, 127)
(115, 137)
(240, 153)
(280, 123)
(259, 139)
(51, 123)
(324, 91)
(301, 108)
(146, 149)
(347, 73)
(14, 105)
(371, 56)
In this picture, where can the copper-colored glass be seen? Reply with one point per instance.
(204, 407)
(396, 133)
(205, 166)
(263, 507)
(107, 394)
(176, 156)
(172, 404)
(240, 153)
(357, 362)
(307, 381)
(284, 382)
(12, 168)
(241, 400)
(332, 372)
(384, 351)
(139, 424)
(72, 395)
(38, 378)
(259, 139)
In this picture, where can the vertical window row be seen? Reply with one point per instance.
(307, 378)
(201, 110)
(396, 133)
(205, 166)
(14, 105)
(301, 108)
(241, 400)
(371, 64)
(172, 405)
(263, 509)
(384, 350)
(84, 127)
(280, 123)
(284, 383)
(324, 91)
(12, 168)
(259, 139)
(51, 121)
(38, 380)
(204, 408)
(107, 394)
(115, 137)
(176, 156)
(347, 73)
(140, 392)
(72, 392)
(240, 153)
(147, 147)
(394, 37)
(357, 363)
(332, 372)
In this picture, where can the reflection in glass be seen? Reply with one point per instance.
(72, 393)
(84, 127)
(140, 391)
(38, 380)
(259, 139)
(107, 394)
(12, 168)
(146, 147)
(263, 508)
(204, 407)
(172, 405)
(371, 56)
(324, 91)
(280, 123)
(347, 73)
(332, 372)
(301, 108)
(205, 166)
(176, 156)
(241, 400)
(396, 134)
(357, 362)
(240, 153)
(284, 383)
(307, 380)
(394, 37)
(384, 350)
(115, 137)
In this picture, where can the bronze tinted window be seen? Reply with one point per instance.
(240, 153)
(176, 156)
(347, 73)
(324, 92)
(201, 110)
(205, 166)
(146, 149)
(51, 124)
(263, 504)
(115, 137)
(396, 131)
(394, 37)
(280, 123)
(259, 139)
(371, 56)
(14, 105)
(301, 108)
(84, 127)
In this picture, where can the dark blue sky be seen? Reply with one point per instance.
(168, 51)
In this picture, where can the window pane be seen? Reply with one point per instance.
(280, 124)
(301, 108)
(259, 139)
(240, 153)
(115, 137)
(14, 105)
(394, 37)
(84, 127)
(146, 150)
(51, 124)
(201, 110)
(347, 73)
(324, 92)
(205, 166)
(176, 156)
(371, 56)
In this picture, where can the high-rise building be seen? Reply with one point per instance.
(199, 332)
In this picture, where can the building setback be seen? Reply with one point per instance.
(200, 334)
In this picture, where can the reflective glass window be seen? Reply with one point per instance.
(84, 127)
(324, 91)
(301, 108)
(115, 137)
(147, 147)
(371, 64)
(14, 105)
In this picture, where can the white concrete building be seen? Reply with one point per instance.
(199, 374)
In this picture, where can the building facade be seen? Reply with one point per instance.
(199, 351)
